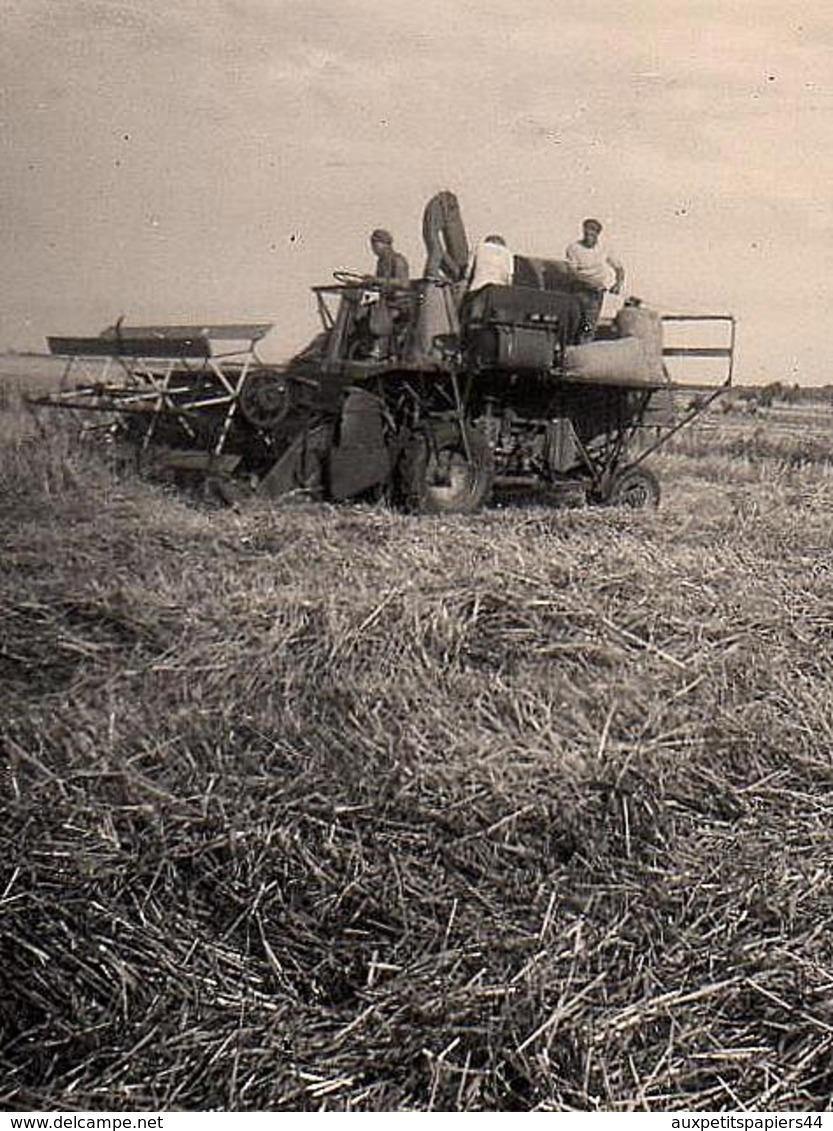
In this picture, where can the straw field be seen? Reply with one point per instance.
(336, 808)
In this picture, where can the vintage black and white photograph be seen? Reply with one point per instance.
(416, 600)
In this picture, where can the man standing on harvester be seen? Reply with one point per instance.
(386, 311)
(491, 264)
(390, 263)
(592, 266)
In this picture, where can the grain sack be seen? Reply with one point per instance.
(645, 324)
(619, 361)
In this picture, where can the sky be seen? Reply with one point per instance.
(213, 159)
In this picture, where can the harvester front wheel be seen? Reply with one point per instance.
(445, 471)
(635, 488)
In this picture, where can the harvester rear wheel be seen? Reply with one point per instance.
(635, 488)
(443, 472)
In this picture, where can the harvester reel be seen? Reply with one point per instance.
(265, 399)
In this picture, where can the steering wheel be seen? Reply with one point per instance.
(349, 277)
(371, 282)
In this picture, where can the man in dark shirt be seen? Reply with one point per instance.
(390, 264)
(387, 313)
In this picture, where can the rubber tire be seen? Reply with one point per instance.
(638, 488)
(471, 481)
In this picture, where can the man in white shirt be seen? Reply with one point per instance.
(492, 264)
(595, 268)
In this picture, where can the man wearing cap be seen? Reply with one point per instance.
(390, 264)
(386, 313)
(593, 267)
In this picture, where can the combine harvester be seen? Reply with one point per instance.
(458, 399)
